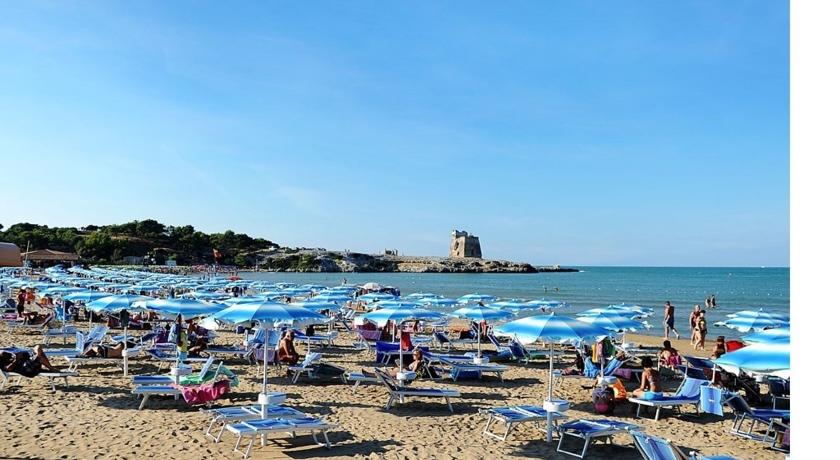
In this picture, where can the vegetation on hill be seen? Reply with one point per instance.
(148, 239)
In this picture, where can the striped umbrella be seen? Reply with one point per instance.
(481, 313)
(775, 335)
(761, 358)
(187, 308)
(476, 297)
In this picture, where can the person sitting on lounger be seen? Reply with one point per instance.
(416, 365)
(285, 352)
(24, 364)
(106, 351)
(650, 378)
(669, 356)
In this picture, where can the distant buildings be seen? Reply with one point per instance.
(464, 245)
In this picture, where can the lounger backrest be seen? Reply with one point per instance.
(701, 363)
(653, 448)
(690, 388)
(387, 380)
(206, 367)
(517, 350)
(310, 359)
(738, 404)
(711, 400)
(612, 366)
(441, 337)
(80, 342)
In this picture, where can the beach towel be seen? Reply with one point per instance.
(205, 393)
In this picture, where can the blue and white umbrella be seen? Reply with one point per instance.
(397, 304)
(476, 297)
(550, 329)
(333, 297)
(514, 305)
(267, 312)
(421, 295)
(760, 313)
(318, 305)
(397, 316)
(119, 302)
(376, 297)
(615, 323)
(246, 299)
(612, 310)
(187, 308)
(86, 296)
(761, 358)
(774, 335)
(480, 313)
(439, 301)
(547, 303)
(754, 323)
(61, 290)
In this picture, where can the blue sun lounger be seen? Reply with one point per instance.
(457, 367)
(687, 394)
(590, 431)
(263, 427)
(225, 415)
(743, 412)
(510, 416)
(653, 448)
(399, 393)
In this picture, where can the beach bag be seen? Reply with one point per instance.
(205, 393)
(604, 400)
(619, 390)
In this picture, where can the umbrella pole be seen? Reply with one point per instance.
(550, 423)
(125, 351)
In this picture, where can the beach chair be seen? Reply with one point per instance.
(361, 343)
(398, 393)
(232, 351)
(590, 431)
(165, 356)
(318, 339)
(225, 415)
(20, 326)
(152, 387)
(76, 361)
(743, 412)
(590, 371)
(510, 416)
(457, 368)
(50, 376)
(521, 352)
(688, 393)
(653, 448)
(357, 378)
(63, 332)
(304, 366)
(167, 379)
(263, 427)
(441, 341)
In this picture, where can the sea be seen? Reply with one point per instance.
(735, 289)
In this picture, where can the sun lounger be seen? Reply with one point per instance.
(226, 415)
(76, 361)
(238, 352)
(304, 366)
(590, 371)
(511, 415)
(168, 379)
(688, 393)
(461, 367)
(590, 431)
(261, 427)
(653, 448)
(146, 391)
(399, 393)
(50, 376)
(165, 357)
(18, 325)
(319, 339)
(62, 332)
(743, 412)
(360, 377)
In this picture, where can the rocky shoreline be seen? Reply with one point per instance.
(346, 262)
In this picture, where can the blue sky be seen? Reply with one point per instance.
(615, 133)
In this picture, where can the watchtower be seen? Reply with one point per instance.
(464, 245)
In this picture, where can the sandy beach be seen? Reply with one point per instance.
(97, 417)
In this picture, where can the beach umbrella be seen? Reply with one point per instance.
(318, 305)
(187, 308)
(753, 323)
(774, 335)
(760, 358)
(421, 295)
(476, 297)
(382, 316)
(207, 295)
(612, 310)
(439, 301)
(333, 297)
(479, 313)
(615, 323)
(116, 303)
(246, 299)
(513, 305)
(760, 313)
(86, 296)
(267, 312)
(376, 296)
(550, 329)
(397, 304)
(546, 303)
(61, 290)
(372, 286)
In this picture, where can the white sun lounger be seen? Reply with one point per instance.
(260, 427)
(687, 394)
(304, 366)
(225, 415)
(510, 416)
(76, 361)
(50, 376)
(148, 391)
(358, 378)
(399, 393)
(168, 379)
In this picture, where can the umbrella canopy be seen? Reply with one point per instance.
(439, 301)
(476, 297)
(207, 295)
(372, 286)
(333, 297)
(246, 299)
(187, 308)
(760, 313)
(754, 323)
(615, 323)
(61, 290)
(546, 303)
(267, 311)
(397, 304)
(775, 335)
(550, 329)
(318, 305)
(117, 302)
(479, 313)
(612, 310)
(761, 358)
(376, 296)
(398, 315)
(86, 296)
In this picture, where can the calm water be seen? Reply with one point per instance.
(735, 288)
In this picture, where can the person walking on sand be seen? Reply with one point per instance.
(668, 322)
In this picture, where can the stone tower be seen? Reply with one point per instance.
(464, 245)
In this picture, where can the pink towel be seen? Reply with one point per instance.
(200, 394)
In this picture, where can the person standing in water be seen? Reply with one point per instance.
(668, 322)
(714, 303)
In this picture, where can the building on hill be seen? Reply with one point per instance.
(463, 244)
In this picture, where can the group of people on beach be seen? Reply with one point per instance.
(697, 323)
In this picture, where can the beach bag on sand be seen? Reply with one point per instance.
(205, 393)
(603, 398)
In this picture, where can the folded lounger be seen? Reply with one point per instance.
(50, 376)
(590, 431)
(510, 416)
(261, 427)
(743, 412)
(458, 367)
(653, 448)
(399, 393)
(688, 393)
(225, 415)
